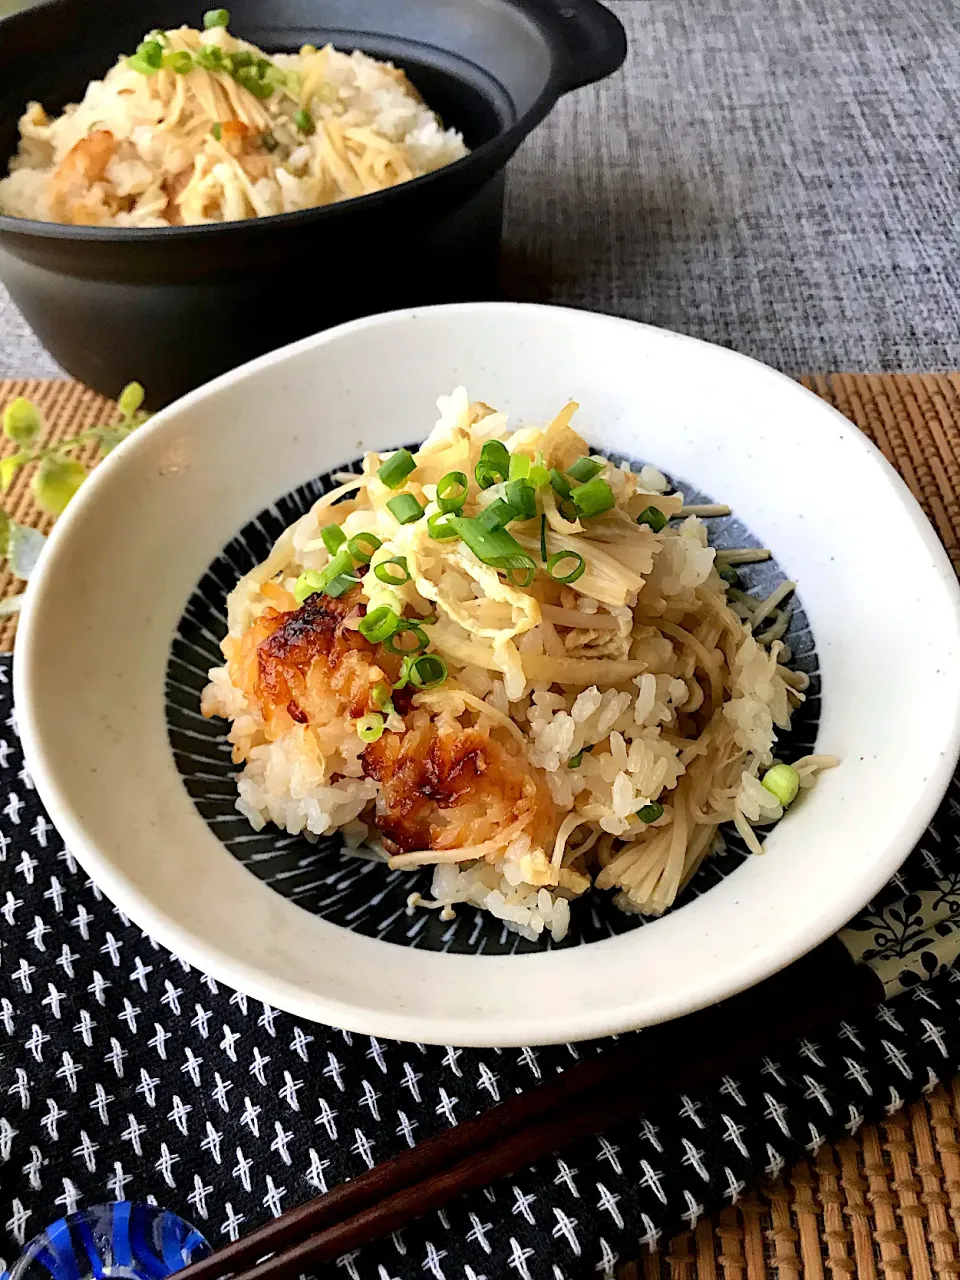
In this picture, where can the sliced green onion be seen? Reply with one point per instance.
(216, 18)
(337, 576)
(393, 572)
(782, 781)
(520, 465)
(179, 61)
(543, 538)
(575, 761)
(240, 60)
(494, 464)
(340, 562)
(729, 574)
(653, 517)
(216, 130)
(378, 624)
(440, 528)
(383, 595)
(405, 627)
(380, 696)
(403, 679)
(539, 475)
(428, 671)
(520, 575)
(650, 812)
(523, 498)
(585, 469)
(497, 515)
(593, 498)
(151, 51)
(363, 546)
(497, 548)
(405, 508)
(136, 63)
(303, 122)
(370, 727)
(333, 537)
(560, 484)
(396, 469)
(557, 559)
(210, 58)
(340, 584)
(308, 584)
(452, 491)
(250, 79)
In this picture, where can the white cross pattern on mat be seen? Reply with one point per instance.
(128, 1074)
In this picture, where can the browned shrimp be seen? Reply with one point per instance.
(174, 188)
(305, 666)
(446, 788)
(234, 135)
(442, 786)
(83, 165)
(247, 146)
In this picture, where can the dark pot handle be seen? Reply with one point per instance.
(591, 42)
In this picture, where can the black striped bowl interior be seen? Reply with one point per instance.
(359, 893)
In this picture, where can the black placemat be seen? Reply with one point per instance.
(126, 1072)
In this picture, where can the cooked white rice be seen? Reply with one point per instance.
(640, 684)
(151, 150)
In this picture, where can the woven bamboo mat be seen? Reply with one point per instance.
(885, 1202)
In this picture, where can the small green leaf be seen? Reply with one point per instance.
(24, 548)
(131, 398)
(9, 468)
(21, 420)
(55, 482)
(110, 437)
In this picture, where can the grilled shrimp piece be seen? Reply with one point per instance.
(174, 188)
(446, 787)
(443, 786)
(305, 666)
(247, 147)
(83, 165)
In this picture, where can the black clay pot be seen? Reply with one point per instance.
(175, 306)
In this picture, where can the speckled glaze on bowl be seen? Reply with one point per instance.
(877, 588)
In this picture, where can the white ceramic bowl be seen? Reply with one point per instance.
(877, 587)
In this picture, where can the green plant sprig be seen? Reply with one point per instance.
(58, 476)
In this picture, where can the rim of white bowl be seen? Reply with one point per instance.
(588, 1023)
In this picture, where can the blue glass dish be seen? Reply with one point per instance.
(126, 1240)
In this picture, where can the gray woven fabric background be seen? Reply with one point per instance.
(779, 176)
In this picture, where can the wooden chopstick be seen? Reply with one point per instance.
(663, 1060)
